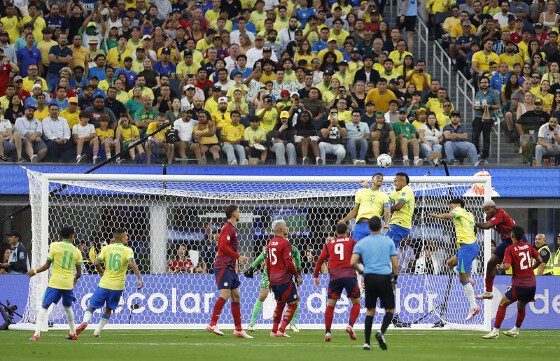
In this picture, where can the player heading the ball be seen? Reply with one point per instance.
(468, 248)
(118, 258)
(342, 277)
(64, 258)
(227, 280)
(281, 268)
(523, 282)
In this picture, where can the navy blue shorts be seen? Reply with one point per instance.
(53, 295)
(226, 279)
(501, 248)
(350, 284)
(361, 230)
(397, 233)
(102, 296)
(285, 292)
(523, 294)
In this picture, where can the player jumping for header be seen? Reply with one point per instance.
(523, 282)
(64, 257)
(226, 276)
(468, 248)
(281, 268)
(342, 277)
(118, 258)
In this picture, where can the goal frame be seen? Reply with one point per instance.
(47, 178)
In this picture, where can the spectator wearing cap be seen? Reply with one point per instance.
(331, 48)
(130, 74)
(138, 59)
(221, 116)
(511, 55)
(211, 104)
(333, 132)
(12, 22)
(367, 73)
(57, 135)
(187, 66)
(116, 56)
(281, 139)
(165, 66)
(407, 139)
(284, 101)
(5, 45)
(462, 47)
(71, 113)
(18, 262)
(456, 143)
(59, 56)
(257, 52)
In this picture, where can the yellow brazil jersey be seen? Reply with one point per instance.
(71, 118)
(117, 58)
(38, 26)
(340, 38)
(231, 89)
(41, 114)
(484, 60)
(443, 119)
(339, 56)
(202, 45)
(345, 116)
(398, 58)
(221, 119)
(269, 119)
(116, 257)
(403, 217)
(105, 134)
(184, 69)
(243, 107)
(252, 134)
(64, 257)
(346, 80)
(104, 85)
(145, 91)
(435, 106)
(510, 60)
(130, 133)
(464, 226)
(354, 66)
(264, 77)
(258, 19)
(371, 203)
(457, 30)
(290, 77)
(546, 99)
(12, 26)
(233, 132)
(280, 24)
(152, 127)
(137, 66)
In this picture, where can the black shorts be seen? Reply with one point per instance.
(501, 248)
(379, 287)
(409, 23)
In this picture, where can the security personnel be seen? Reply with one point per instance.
(556, 264)
(545, 269)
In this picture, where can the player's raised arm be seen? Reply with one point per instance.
(352, 214)
(134, 267)
(43, 268)
(386, 214)
(397, 206)
(485, 225)
(442, 216)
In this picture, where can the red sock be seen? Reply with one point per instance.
(354, 313)
(288, 316)
(220, 302)
(236, 313)
(500, 315)
(520, 318)
(329, 313)
(277, 316)
(489, 281)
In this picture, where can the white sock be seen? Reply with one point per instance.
(416, 158)
(108, 155)
(70, 316)
(40, 319)
(495, 330)
(469, 291)
(405, 157)
(515, 329)
(87, 316)
(100, 325)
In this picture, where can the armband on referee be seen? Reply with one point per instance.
(394, 279)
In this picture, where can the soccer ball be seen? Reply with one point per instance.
(384, 160)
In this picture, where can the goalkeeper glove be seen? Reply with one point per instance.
(249, 272)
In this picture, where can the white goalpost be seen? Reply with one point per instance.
(168, 216)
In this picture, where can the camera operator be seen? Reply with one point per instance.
(158, 140)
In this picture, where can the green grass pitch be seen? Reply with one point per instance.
(166, 345)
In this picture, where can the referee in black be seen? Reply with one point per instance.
(380, 269)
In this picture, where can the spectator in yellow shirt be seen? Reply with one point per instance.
(510, 57)
(129, 133)
(255, 134)
(12, 23)
(419, 77)
(232, 135)
(398, 56)
(107, 139)
(157, 140)
(72, 113)
(116, 56)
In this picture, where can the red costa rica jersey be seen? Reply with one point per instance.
(227, 248)
(339, 252)
(502, 223)
(519, 255)
(279, 264)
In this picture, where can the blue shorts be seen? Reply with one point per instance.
(397, 233)
(104, 297)
(361, 230)
(523, 294)
(226, 279)
(350, 284)
(285, 292)
(466, 255)
(53, 295)
(501, 248)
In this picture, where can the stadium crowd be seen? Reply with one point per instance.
(249, 82)
(510, 52)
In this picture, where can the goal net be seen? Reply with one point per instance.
(173, 223)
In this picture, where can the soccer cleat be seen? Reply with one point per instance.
(72, 337)
(214, 329)
(471, 281)
(282, 334)
(350, 331)
(251, 328)
(241, 334)
(381, 340)
(366, 347)
(328, 337)
(491, 335)
(272, 334)
(294, 328)
(80, 328)
(473, 313)
(34, 338)
(511, 333)
(97, 336)
(485, 296)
